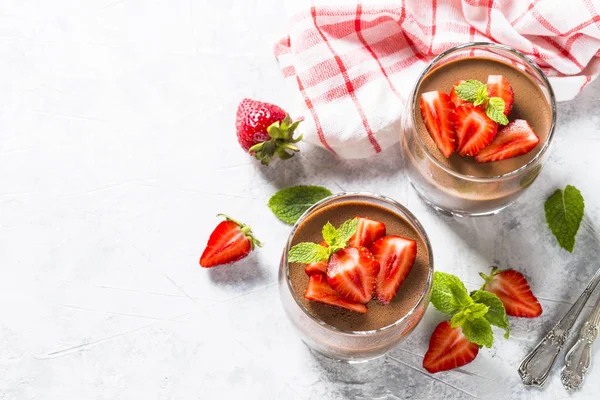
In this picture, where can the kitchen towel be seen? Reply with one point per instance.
(352, 64)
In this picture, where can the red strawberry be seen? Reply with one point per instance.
(316, 268)
(319, 290)
(265, 130)
(474, 130)
(515, 139)
(513, 290)
(454, 97)
(367, 232)
(448, 349)
(351, 272)
(498, 86)
(229, 242)
(436, 110)
(396, 256)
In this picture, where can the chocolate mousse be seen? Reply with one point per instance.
(378, 315)
(530, 104)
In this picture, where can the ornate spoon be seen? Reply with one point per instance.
(536, 366)
(577, 360)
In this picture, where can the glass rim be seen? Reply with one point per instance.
(367, 196)
(525, 59)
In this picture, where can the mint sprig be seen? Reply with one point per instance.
(336, 240)
(474, 91)
(475, 313)
(290, 203)
(564, 212)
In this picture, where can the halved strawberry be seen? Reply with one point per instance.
(474, 130)
(229, 242)
(454, 97)
(319, 290)
(448, 349)
(498, 86)
(513, 290)
(515, 139)
(436, 110)
(316, 268)
(367, 232)
(351, 272)
(396, 256)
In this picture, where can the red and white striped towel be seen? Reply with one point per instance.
(353, 64)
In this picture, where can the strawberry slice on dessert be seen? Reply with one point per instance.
(436, 110)
(396, 256)
(316, 268)
(474, 130)
(513, 290)
(320, 291)
(513, 140)
(448, 349)
(352, 272)
(498, 86)
(367, 232)
(455, 97)
(229, 242)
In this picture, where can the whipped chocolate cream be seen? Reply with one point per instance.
(378, 315)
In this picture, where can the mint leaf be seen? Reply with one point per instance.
(478, 331)
(290, 203)
(470, 313)
(346, 230)
(449, 294)
(495, 110)
(481, 96)
(470, 90)
(564, 212)
(307, 253)
(330, 234)
(496, 313)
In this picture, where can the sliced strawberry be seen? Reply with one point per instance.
(513, 290)
(351, 272)
(229, 242)
(396, 256)
(454, 97)
(319, 290)
(498, 86)
(513, 140)
(436, 110)
(448, 349)
(316, 268)
(367, 232)
(474, 130)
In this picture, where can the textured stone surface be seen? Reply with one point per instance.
(117, 149)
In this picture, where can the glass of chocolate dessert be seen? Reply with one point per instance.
(477, 128)
(355, 275)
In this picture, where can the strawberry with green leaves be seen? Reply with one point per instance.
(513, 290)
(265, 130)
(456, 342)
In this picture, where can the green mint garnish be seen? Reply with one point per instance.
(475, 314)
(471, 90)
(476, 92)
(290, 203)
(307, 253)
(495, 110)
(496, 313)
(336, 239)
(449, 294)
(564, 212)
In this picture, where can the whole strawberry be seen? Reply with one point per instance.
(265, 130)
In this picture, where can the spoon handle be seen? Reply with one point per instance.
(536, 366)
(579, 357)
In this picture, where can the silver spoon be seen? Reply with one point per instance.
(579, 357)
(536, 366)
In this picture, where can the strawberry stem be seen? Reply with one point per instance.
(281, 142)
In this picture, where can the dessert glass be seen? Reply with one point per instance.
(345, 345)
(464, 195)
